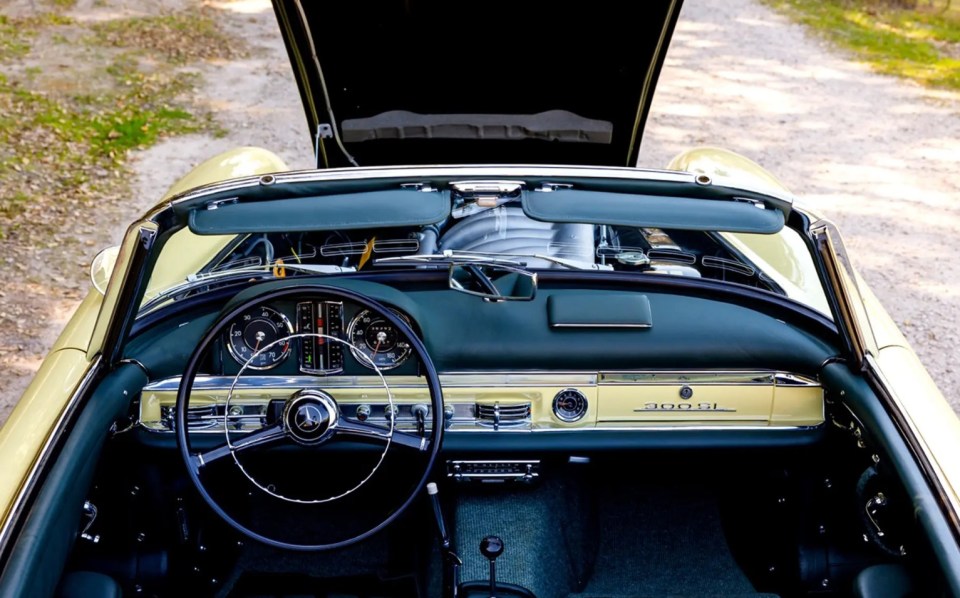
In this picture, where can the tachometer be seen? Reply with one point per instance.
(377, 340)
(254, 330)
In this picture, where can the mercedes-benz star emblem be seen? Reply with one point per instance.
(308, 418)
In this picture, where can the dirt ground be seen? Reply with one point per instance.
(875, 154)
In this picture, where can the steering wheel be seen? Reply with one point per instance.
(310, 417)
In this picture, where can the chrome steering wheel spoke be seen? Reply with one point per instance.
(366, 430)
(261, 437)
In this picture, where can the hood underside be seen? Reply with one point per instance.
(440, 82)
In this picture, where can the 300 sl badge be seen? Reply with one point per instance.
(683, 407)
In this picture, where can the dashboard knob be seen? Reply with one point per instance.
(363, 412)
(390, 412)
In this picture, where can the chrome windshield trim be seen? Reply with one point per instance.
(30, 482)
(498, 171)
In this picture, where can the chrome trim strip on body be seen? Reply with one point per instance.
(29, 484)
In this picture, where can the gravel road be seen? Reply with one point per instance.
(875, 154)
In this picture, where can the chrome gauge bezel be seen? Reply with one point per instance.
(364, 359)
(276, 317)
(581, 406)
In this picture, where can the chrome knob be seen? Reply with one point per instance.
(363, 412)
(390, 412)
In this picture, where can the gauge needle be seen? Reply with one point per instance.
(377, 348)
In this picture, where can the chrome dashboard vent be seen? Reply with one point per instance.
(502, 415)
(242, 417)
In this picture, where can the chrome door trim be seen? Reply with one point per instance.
(929, 466)
(30, 482)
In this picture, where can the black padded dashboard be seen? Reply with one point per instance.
(464, 333)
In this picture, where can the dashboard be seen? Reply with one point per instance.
(280, 347)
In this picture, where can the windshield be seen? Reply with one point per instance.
(778, 263)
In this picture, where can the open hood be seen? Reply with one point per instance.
(493, 81)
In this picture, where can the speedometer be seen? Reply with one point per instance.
(256, 329)
(376, 340)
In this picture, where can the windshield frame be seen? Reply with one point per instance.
(175, 212)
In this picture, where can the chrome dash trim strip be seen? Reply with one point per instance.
(705, 377)
(209, 383)
(737, 427)
(505, 379)
(29, 484)
(591, 325)
(474, 428)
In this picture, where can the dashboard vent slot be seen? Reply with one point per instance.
(503, 415)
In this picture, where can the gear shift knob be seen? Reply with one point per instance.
(491, 547)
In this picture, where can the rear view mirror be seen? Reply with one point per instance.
(493, 282)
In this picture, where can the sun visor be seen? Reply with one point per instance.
(654, 211)
(371, 209)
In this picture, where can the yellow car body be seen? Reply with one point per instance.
(35, 422)
(188, 309)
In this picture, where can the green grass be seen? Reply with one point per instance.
(62, 148)
(14, 40)
(921, 44)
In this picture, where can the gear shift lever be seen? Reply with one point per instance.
(491, 547)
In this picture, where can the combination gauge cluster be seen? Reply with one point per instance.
(325, 337)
